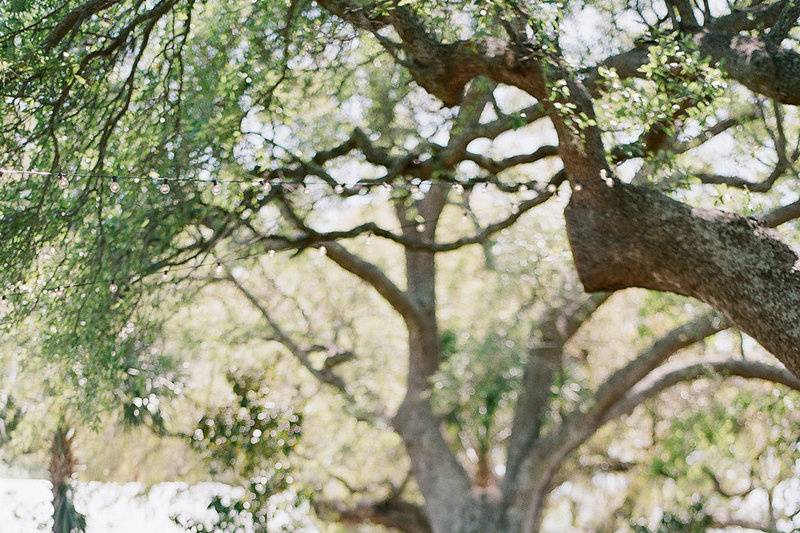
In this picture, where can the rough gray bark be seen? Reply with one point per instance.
(632, 236)
(442, 479)
(61, 469)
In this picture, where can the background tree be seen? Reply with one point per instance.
(173, 146)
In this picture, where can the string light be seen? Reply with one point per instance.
(414, 187)
(113, 287)
(215, 187)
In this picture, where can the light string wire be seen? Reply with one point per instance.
(215, 183)
(413, 187)
(266, 182)
(217, 262)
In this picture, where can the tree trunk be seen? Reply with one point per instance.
(62, 467)
(453, 502)
(442, 479)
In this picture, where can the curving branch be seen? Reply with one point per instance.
(781, 215)
(302, 353)
(525, 492)
(758, 62)
(72, 20)
(710, 369)
(494, 166)
(617, 385)
(377, 279)
(548, 336)
(784, 165)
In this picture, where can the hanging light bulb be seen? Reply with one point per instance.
(551, 188)
(164, 188)
(420, 228)
(63, 181)
(515, 208)
(114, 185)
(113, 288)
(338, 189)
(165, 275)
(219, 270)
(215, 188)
(265, 185)
(323, 251)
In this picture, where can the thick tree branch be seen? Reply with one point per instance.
(621, 234)
(755, 62)
(785, 23)
(732, 263)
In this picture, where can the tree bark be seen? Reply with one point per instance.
(630, 236)
(62, 467)
(441, 477)
(393, 512)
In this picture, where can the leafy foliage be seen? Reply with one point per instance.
(254, 438)
(695, 520)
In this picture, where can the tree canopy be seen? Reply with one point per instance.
(468, 184)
